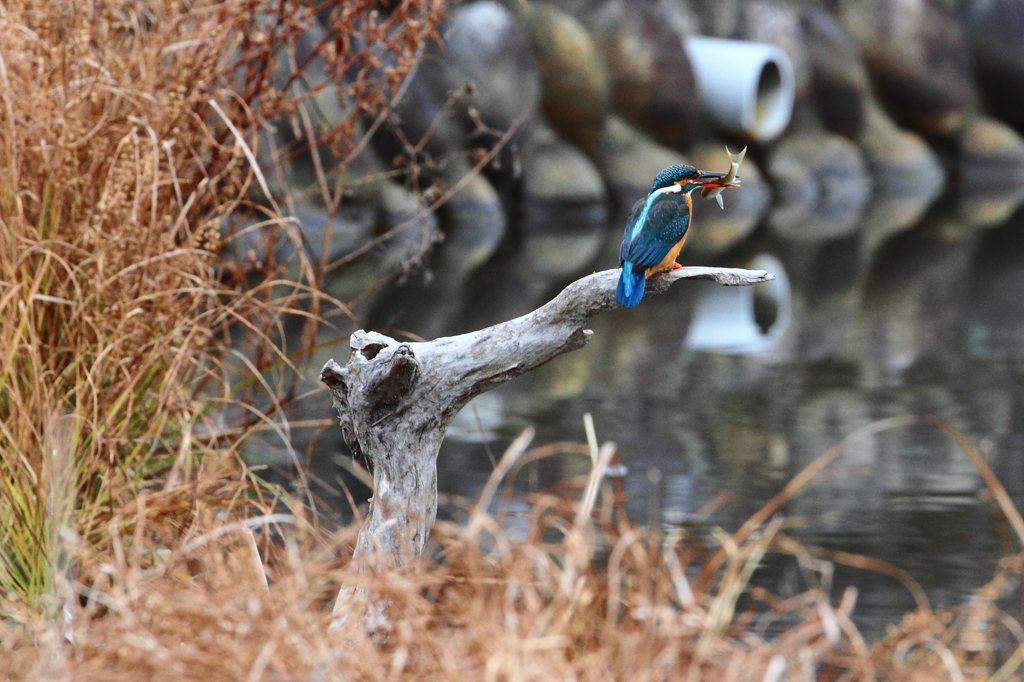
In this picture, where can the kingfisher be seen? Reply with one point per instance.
(658, 225)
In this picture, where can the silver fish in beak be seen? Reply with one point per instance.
(730, 179)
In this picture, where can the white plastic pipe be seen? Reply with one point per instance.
(746, 88)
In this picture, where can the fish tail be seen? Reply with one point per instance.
(631, 286)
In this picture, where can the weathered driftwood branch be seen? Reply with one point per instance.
(396, 400)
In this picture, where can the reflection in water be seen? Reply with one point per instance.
(744, 320)
(554, 245)
(708, 389)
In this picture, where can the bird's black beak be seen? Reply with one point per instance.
(713, 179)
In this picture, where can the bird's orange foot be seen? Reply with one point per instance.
(675, 266)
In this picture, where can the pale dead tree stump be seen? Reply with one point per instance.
(396, 400)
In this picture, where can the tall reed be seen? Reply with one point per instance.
(128, 134)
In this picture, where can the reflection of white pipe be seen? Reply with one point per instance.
(746, 88)
(725, 320)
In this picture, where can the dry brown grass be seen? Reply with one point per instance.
(127, 130)
(558, 599)
(108, 297)
(490, 609)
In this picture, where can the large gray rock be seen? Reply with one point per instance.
(629, 160)
(652, 83)
(559, 223)
(563, 212)
(576, 93)
(428, 140)
(555, 172)
(996, 33)
(680, 15)
(424, 130)
(485, 74)
(988, 146)
(839, 81)
(917, 55)
(484, 45)
(379, 228)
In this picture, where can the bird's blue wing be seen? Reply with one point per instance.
(665, 221)
(634, 216)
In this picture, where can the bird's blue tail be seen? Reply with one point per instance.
(631, 286)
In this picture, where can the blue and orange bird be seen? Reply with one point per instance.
(658, 226)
